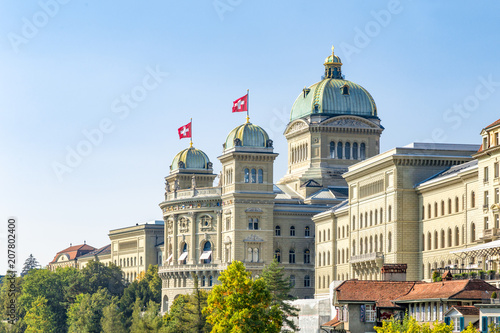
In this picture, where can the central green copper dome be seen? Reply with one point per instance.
(334, 95)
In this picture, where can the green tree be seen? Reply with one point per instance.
(84, 316)
(39, 318)
(470, 328)
(280, 288)
(29, 264)
(410, 325)
(186, 313)
(145, 289)
(147, 321)
(493, 328)
(112, 320)
(96, 275)
(240, 304)
(46, 284)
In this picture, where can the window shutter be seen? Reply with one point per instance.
(447, 320)
(362, 313)
(462, 323)
(484, 321)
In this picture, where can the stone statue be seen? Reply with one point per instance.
(193, 182)
(167, 186)
(176, 185)
(219, 184)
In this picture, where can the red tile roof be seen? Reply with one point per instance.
(332, 323)
(493, 124)
(467, 310)
(381, 292)
(74, 251)
(455, 289)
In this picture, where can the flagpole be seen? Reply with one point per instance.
(191, 138)
(248, 105)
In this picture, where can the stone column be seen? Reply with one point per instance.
(218, 256)
(175, 244)
(193, 250)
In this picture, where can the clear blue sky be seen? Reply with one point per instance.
(66, 69)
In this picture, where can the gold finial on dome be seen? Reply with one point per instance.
(190, 144)
(333, 47)
(248, 119)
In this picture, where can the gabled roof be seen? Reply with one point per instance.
(493, 124)
(101, 251)
(449, 172)
(465, 310)
(382, 293)
(310, 183)
(74, 251)
(455, 289)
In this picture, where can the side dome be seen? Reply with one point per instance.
(334, 95)
(191, 158)
(247, 135)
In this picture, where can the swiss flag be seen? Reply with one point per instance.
(185, 131)
(241, 104)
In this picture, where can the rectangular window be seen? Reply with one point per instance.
(486, 201)
(486, 223)
(497, 142)
(496, 170)
(370, 313)
(497, 195)
(485, 174)
(497, 221)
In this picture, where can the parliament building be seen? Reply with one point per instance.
(341, 211)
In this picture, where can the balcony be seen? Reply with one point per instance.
(491, 233)
(374, 256)
(190, 193)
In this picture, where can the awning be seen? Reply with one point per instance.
(169, 258)
(486, 249)
(183, 256)
(206, 255)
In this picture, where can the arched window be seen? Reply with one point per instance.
(436, 240)
(339, 150)
(354, 223)
(277, 255)
(389, 242)
(307, 231)
(292, 231)
(355, 151)
(253, 223)
(450, 237)
(165, 303)
(343, 231)
(210, 281)
(261, 176)
(376, 214)
(332, 149)
(429, 211)
(254, 176)
(366, 244)
(277, 231)
(435, 209)
(456, 205)
(307, 281)
(291, 256)
(473, 199)
(381, 243)
(429, 241)
(319, 236)
(389, 214)
(307, 256)
(247, 175)
(362, 151)
(345, 90)
(371, 218)
(449, 206)
(353, 247)
(203, 280)
(375, 246)
(347, 150)
(319, 259)
(361, 221)
(442, 207)
(292, 280)
(328, 261)
(361, 246)
(206, 256)
(442, 238)
(371, 244)
(381, 216)
(457, 236)
(473, 232)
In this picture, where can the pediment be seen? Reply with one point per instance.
(296, 126)
(348, 122)
(253, 210)
(253, 238)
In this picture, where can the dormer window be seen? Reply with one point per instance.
(345, 90)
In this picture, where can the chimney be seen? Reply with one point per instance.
(394, 272)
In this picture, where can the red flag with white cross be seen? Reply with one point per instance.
(185, 131)
(241, 104)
